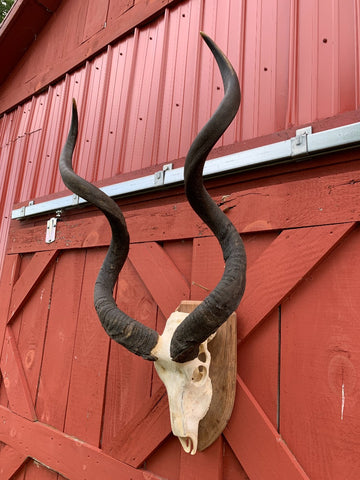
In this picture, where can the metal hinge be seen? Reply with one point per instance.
(299, 144)
(159, 177)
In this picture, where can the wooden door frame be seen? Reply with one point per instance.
(307, 236)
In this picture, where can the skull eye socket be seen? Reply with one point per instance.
(199, 373)
(202, 357)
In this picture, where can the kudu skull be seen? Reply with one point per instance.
(181, 355)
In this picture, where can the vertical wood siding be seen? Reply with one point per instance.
(143, 100)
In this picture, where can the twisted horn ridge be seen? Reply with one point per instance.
(134, 336)
(226, 296)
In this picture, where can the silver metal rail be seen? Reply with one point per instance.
(304, 145)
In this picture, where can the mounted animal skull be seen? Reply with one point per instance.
(188, 385)
(180, 354)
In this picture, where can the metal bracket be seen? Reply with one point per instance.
(299, 144)
(51, 227)
(51, 230)
(75, 199)
(159, 177)
(23, 209)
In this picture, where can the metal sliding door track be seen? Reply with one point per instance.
(304, 145)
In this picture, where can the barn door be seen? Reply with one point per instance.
(75, 405)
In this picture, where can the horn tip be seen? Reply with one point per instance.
(206, 38)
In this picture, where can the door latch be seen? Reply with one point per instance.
(51, 227)
(51, 230)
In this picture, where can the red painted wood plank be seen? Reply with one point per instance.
(257, 445)
(9, 276)
(60, 337)
(127, 389)
(165, 461)
(166, 284)
(11, 45)
(15, 382)
(232, 467)
(27, 281)
(208, 464)
(207, 268)
(282, 267)
(144, 432)
(259, 348)
(293, 202)
(95, 18)
(262, 348)
(320, 358)
(90, 359)
(10, 461)
(129, 378)
(62, 453)
(181, 252)
(119, 7)
(31, 323)
(35, 471)
(3, 396)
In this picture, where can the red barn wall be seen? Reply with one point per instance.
(72, 403)
(144, 96)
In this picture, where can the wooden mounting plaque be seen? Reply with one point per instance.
(223, 369)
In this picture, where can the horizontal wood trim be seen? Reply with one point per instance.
(285, 263)
(289, 203)
(61, 453)
(258, 446)
(319, 199)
